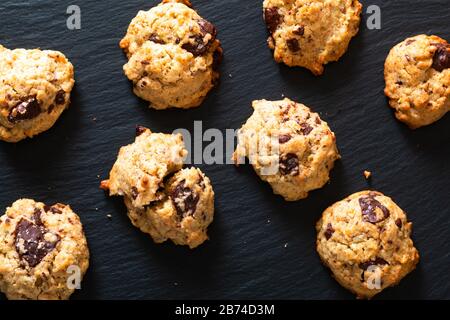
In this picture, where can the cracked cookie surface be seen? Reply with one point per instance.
(289, 146)
(365, 240)
(173, 55)
(311, 33)
(35, 89)
(162, 199)
(417, 76)
(38, 245)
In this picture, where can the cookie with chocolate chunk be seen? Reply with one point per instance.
(41, 247)
(163, 199)
(311, 33)
(182, 212)
(289, 146)
(35, 89)
(173, 55)
(365, 240)
(417, 76)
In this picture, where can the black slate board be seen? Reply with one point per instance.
(246, 256)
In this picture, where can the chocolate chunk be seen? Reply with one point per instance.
(53, 209)
(368, 207)
(306, 129)
(272, 18)
(299, 31)
(140, 130)
(184, 200)
(283, 138)
(329, 231)
(318, 121)
(30, 241)
(366, 265)
(134, 193)
(293, 45)
(197, 47)
(25, 110)
(60, 97)
(399, 223)
(441, 58)
(289, 165)
(410, 41)
(207, 27)
(154, 38)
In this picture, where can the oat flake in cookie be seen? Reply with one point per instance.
(162, 199)
(38, 243)
(173, 55)
(365, 241)
(289, 146)
(311, 33)
(417, 76)
(35, 89)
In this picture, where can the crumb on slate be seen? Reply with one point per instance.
(286, 245)
(367, 174)
(109, 216)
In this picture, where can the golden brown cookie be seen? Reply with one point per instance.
(417, 76)
(173, 55)
(365, 241)
(311, 33)
(289, 146)
(41, 249)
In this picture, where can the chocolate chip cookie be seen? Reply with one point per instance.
(182, 211)
(311, 33)
(163, 199)
(289, 146)
(43, 251)
(417, 76)
(35, 89)
(365, 241)
(173, 55)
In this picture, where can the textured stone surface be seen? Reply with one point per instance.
(246, 256)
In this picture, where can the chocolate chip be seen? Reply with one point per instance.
(293, 45)
(272, 18)
(441, 58)
(134, 193)
(410, 41)
(329, 231)
(30, 241)
(299, 31)
(368, 207)
(365, 265)
(283, 138)
(289, 165)
(50, 108)
(318, 121)
(154, 38)
(25, 110)
(140, 130)
(60, 97)
(184, 200)
(305, 129)
(399, 223)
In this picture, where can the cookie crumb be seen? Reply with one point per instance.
(367, 174)
(109, 216)
(286, 245)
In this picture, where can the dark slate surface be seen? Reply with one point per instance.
(246, 256)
